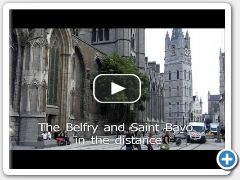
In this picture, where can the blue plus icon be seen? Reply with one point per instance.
(227, 159)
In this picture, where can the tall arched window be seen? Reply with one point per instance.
(185, 89)
(13, 53)
(79, 76)
(170, 91)
(189, 75)
(177, 90)
(185, 109)
(170, 75)
(53, 70)
(177, 74)
(177, 109)
(170, 109)
(185, 75)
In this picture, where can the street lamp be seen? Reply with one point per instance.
(218, 140)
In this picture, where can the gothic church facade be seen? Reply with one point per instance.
(51, 76)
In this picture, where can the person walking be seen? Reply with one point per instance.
(128, 144)
(67, 139)
(44, 135)
(165, 141)
(49, 135)
(138, 135)
(149, 144)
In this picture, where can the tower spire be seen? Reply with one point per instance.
(167, 35)
(187, 35)
(167, 41)
(177, 33)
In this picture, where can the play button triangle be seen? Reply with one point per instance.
(115, 88)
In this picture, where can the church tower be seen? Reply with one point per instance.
(222, 71)
(177, 78)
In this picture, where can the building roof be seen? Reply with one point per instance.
(214, 98)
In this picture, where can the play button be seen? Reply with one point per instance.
(116, 88)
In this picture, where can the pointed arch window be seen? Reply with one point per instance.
(53, 73)
(170, 110)
(177, 109)
(185, 89)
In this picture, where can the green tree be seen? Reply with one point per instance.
(118, 113)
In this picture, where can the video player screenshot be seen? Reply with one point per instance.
(107, 91)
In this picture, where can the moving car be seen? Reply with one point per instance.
(213, 128)
(198, 133)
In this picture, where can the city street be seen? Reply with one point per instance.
(209, 145)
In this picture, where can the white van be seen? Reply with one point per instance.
(213, 128)
(198, 132)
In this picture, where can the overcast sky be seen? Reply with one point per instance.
(205, 46)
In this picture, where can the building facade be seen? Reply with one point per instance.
(196, 109)
(126, 42)
(213, 107)
(177, 78)
(154, 106)
(51, 76)
(222, 86)
(130, 42)
(50, 81)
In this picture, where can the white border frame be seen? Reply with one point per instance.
(5, 131)
(109, 102)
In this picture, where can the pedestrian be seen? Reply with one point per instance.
(138, 136)
(67, 139)
(149, 144)
(222, 131)
(128, 144)
(165, 141)
(49, 135)
(44, 135)
(61, 139)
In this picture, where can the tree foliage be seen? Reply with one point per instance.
(116, 64)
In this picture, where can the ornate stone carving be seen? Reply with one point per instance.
(75, 41)
(44, 84)
(38, 42)
(35, 82)
(54, 40)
